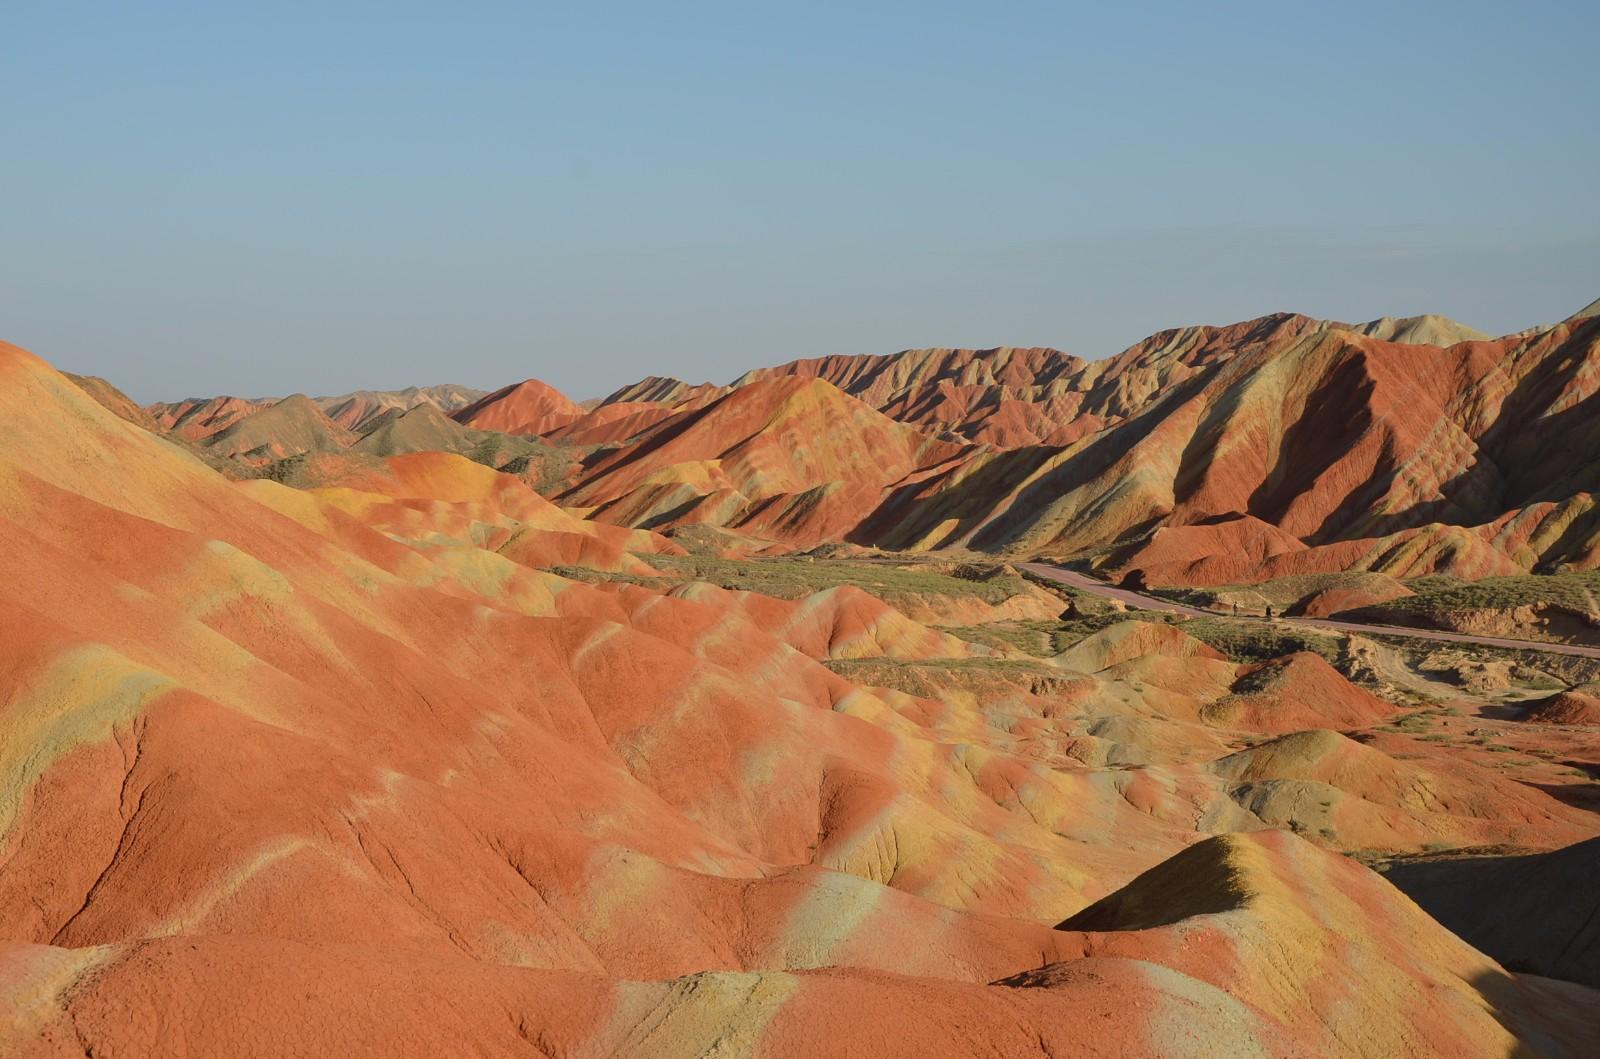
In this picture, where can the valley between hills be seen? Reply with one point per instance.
(757, 718)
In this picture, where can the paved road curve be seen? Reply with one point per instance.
(1140, 601)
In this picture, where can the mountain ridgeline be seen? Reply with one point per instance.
(1276, 447)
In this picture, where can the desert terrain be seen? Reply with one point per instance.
(1238, 694)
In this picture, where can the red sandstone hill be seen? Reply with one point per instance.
(792, 459)
(351, 769)
(1200, 456)
(528, 407)
(1013, 397)
(613, 423)
(1006, 397)
(1357, 450)
(1291, 446)
(656, 389)
(200, 417)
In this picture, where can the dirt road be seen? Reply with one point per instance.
(1140, 601)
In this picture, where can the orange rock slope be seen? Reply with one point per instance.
(1201, 456)
(528, 407)
(790, 459)
(348, 770)
(1270, 448)
(1290, 446)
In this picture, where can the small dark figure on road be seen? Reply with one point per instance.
(1269, 611)
(1236, 610)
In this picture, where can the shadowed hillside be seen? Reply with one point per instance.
(408, 720)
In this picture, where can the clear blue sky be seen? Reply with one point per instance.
(264, 198)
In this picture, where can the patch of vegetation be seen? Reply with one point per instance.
(1411, 723)
(287, 471)
(703, 540)
(1443, 594)
(1250, 641)
(547, 468)
(1041, 639)
(1072, 630)
(303, 470)
(933, 677)
(594, 577)
(1537, 681)
(791, 577)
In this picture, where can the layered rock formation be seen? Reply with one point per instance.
(528, 407)
(353, 768)
(1273, 448)
(198, 418)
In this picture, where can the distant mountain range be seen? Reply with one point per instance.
(200, 417)
(1202, 455)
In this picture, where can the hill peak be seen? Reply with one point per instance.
(284, 428)
(527, 407)
(1429, 329)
